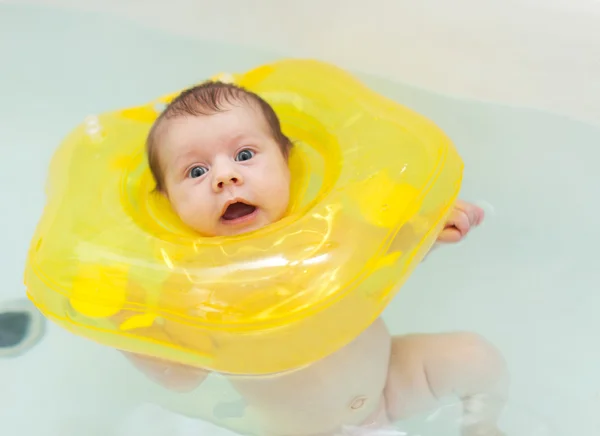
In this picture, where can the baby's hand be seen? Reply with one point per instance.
(463, 217)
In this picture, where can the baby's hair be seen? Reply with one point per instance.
(209, 98)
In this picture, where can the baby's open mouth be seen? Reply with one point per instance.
(237, 210)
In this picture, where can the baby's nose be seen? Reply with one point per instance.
(227, 181)
(226, 177)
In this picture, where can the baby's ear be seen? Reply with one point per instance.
(288, 147)
(159, 192)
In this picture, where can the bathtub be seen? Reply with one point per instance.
(513, 83)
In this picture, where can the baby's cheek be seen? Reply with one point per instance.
(195, 217)
(281, 199)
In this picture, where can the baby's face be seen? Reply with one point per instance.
(224, 174)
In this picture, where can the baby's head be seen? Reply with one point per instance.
(218, 154)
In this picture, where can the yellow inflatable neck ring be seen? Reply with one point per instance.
(373, 182)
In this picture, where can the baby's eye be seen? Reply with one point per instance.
(196, 172)
(244, 155)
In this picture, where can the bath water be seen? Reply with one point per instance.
(525, 279)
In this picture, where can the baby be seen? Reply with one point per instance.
(219, 156)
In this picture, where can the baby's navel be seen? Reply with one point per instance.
(358, 402)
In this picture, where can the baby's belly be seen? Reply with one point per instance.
(343, 389)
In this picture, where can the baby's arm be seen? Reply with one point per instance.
(461, 220)
(170, 375)
(425, 368)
